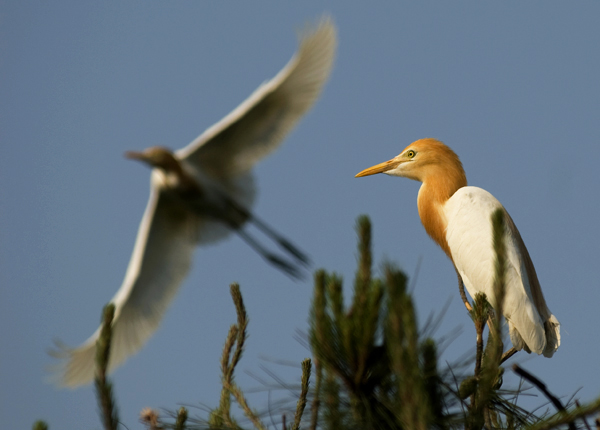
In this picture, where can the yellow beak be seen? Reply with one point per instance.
(379, 168)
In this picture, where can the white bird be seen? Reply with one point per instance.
(200, 194)
(458, 219)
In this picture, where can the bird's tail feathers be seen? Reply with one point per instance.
(551, 338)
(76, 366)
(552, 329)
(516, 339)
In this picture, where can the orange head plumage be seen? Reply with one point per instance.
(439, 169)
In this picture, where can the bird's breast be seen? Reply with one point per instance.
(469, 236)
(167, 181)
(470, 207)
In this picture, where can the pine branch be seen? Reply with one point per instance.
(182, 416)
(568, 417)
(241, 399)
(542, 387)
(316, 403)
(306, 365)
(104, 391)
(40, 425)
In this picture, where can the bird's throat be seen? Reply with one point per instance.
(433, 194)
(433, 219)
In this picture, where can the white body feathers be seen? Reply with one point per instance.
(469, 235)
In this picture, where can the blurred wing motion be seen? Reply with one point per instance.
(182, 211)
(161, 259)
(258, 125)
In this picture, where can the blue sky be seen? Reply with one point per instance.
(512, 88)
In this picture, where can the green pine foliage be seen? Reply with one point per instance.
(372, 367)
(104, 388)
(384, 376)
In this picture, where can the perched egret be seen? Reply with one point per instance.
(200, 194)
(458, 219)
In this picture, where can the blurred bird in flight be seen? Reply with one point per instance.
(200, 194)
(458, 219)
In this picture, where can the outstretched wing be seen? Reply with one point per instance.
(161, 259)
(257, 126)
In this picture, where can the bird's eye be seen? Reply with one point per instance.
(411, 153)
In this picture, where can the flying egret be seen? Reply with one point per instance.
(200, 194)
(458, 219)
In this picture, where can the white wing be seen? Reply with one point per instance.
(551, 324)
(469, 234)
(258, 125)
(161, 259)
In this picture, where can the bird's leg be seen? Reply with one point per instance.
(512, 351)
(508, 354)
(245, 215)
(275, 260)
(461, 290)
(235, 215)
(280, 240)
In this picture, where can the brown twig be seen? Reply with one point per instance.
(542, 387)
(568, 417)
(508, 354)
(587, 426)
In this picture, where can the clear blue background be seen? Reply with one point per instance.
(513, 88)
